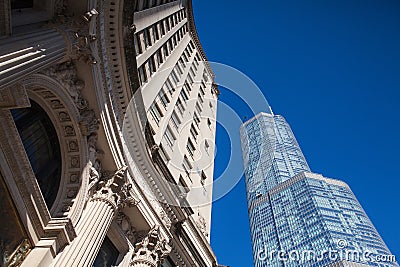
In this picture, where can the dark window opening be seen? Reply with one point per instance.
(40, 141)
(108, 254)
(19, 4)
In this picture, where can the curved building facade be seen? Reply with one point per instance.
(107, 113)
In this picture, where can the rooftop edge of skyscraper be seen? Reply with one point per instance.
(262, 113)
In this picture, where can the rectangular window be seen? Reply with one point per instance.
(191, 44)
(185, 57)
(190, 148)
(186, 166)
(183, 187)
(163, 98)
(147, 40)
(156, 35)
(180, 106)
(203, 177)
(160, 58)
(169, 136)
(187, 87)
(203, 84)
(207, 147)
(165, 49)
(190, 48)
(142, 75)
(174, 41)
(190, 78)
(200, 97)
(174, 77)
(175, 120)
(162, 27)
(163, 154)
(152, 65)
(156, 113)
(196, 119)
(181, 65)
(198, 108)
(202, 89)
(194, 132)
(205, 76)
(170, 88)
(195, 64)
(138, 46)
(184, 95)
(192, 71)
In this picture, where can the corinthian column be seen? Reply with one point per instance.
(31, 52)
(151, 250)
(96, 220)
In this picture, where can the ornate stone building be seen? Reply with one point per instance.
(107, 114)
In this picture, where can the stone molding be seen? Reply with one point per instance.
(22, 183)
(58, 90)
(202, 225)
(195, 37)
(14, 96)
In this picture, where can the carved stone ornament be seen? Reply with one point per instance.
(18, 256)
(202, 225)
(78, 31)
(161, 213)
(60, 6)
(151, 250)
(65, 74)
(125, 225)
(116, 190)
(154, 149)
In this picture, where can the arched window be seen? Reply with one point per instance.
(40, 140)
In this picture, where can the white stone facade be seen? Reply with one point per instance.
(104, 78)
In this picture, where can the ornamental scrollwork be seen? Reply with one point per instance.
(116, 190)
(151, 250)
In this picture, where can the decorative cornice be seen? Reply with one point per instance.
(195, 36)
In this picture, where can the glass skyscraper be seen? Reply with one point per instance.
(299, 218)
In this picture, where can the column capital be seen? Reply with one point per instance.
(151, 250)
(78, 33)
(116, 190)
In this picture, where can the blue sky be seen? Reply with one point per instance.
(332, 68)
